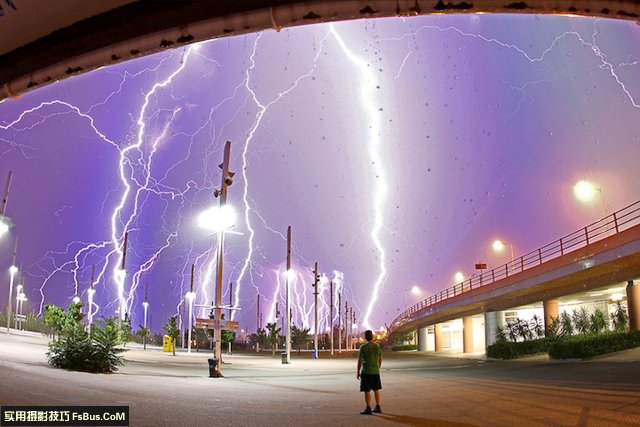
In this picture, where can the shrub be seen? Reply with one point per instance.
(590, 345)
(511, 350)
(76, 349)
(406, 347)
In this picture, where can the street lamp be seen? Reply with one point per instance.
(289, 275)
(224, 218)
(190, 296)
(18, 293)
(12, 272)
(585, 191)
(458, 277)
(414, 290)
(499, 246)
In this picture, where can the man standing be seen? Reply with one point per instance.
(369, 362)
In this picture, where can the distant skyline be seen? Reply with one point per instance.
(398, 149)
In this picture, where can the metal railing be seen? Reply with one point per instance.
(608, 226)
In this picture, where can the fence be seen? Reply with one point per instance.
(610, 225)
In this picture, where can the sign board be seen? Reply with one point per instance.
(212, 324)
(481, 266)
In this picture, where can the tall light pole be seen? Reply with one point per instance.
(226, 182)
(315, 299)
(4, 226)
(90, 293)
(123, 273)
(585, 191)
(287, 302)
(190, 296)
(145, 306)
(414, 290)
(18, 292)
(12, 272)
(499, 245)
(230, 309)
(339, 326)
(331, 313)
(347, 326)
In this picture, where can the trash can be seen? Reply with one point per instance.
(167, 344)
(284, 357)
(213, 364)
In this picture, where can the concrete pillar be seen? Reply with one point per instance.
(422, 339)
(492, 319)
(467, 334)
(550, 308)
(633, 305)
(438, 336)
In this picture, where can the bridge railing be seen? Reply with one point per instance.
(610, 225)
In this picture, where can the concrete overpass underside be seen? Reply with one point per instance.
(611, 260)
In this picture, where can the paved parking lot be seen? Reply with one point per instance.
(418, 389)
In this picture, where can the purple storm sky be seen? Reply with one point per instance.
(397, 149)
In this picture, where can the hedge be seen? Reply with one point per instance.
(511, 350)
(407, 347)
(582, 346)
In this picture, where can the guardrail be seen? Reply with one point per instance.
(608, 226)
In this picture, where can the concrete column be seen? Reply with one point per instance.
(550, 308)
(492, 319)
(422, 339)
(467, 334)
(633, 305)
(438, 336)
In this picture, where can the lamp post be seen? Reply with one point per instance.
(18, 293)
(315, 299)
(190, 296)
(90, 292)
(585, 191)
(499, 245)
(288, 274)
(219, 219)
(145, 306)
(4, 226)
(331, 313)
(414, 290)
(12, 272)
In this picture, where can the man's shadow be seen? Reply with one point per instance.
(415, 421)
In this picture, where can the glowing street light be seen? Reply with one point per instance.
(4, 227)
(458, 277)
(499, 247)
(12, 272)
(415, 290)
(220, 220)
(585, 191)
(217, 218)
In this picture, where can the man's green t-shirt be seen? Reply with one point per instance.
(370, 353)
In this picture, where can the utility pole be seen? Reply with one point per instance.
(276, 322)
(353, 322)
(190, 296)
(258, 315)
(121, 285)
(331, 313)
(6, 194)
(90, 293)
(225, 183)
(230, 310)
(339, 323)
(288, 308)
(145, 305)
(315, 299)
(346, 328)
(12, 271)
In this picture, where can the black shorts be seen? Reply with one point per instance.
(370, 382)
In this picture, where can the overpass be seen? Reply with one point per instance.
(599, 255)
(44, 42)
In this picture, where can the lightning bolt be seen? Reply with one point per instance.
(367, 91)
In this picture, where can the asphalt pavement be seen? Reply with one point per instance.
(419, 389)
